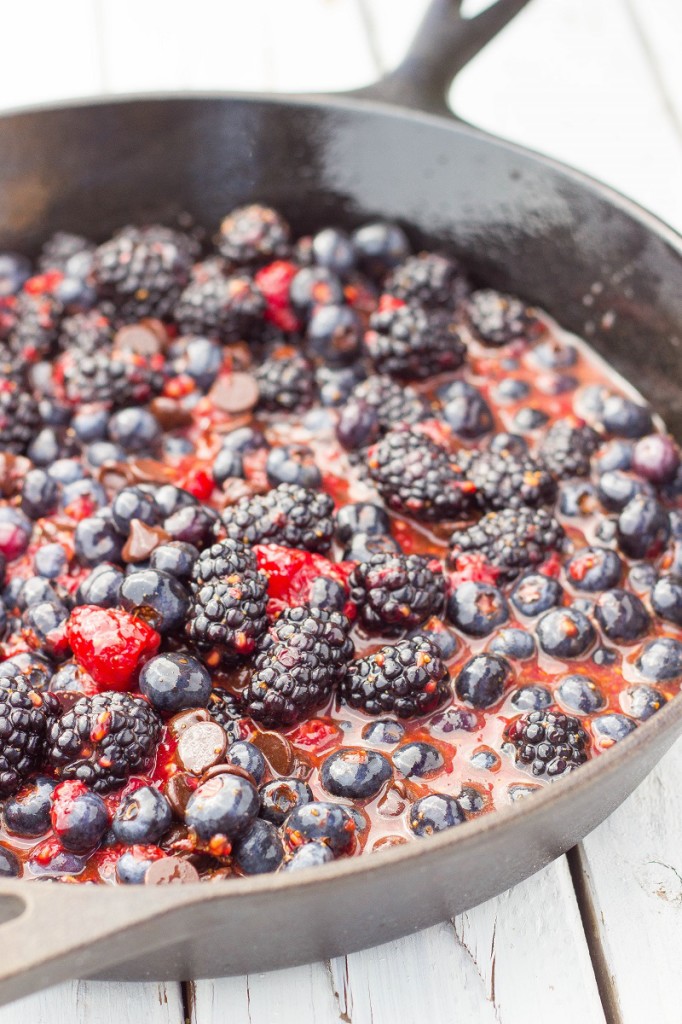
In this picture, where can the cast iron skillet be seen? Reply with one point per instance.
(602, 266)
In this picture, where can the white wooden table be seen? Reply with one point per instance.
(597, 936)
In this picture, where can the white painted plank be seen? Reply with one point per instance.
(487, 968)
(98, 1002)
(633, 869)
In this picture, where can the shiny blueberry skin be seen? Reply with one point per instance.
(259, 850)
(158, 596)
(554, 355)
(355, 773)
(34, 590)
(82, 824)
(90, 424)
(171, 499)
(175, 558)
(661, 659)
(529, 418)
(577, 498)
(417, 759)
(318, 820)
(444, 638)
(227, 465)
(580, 693)
(102, 587)
(379, 247)
(535, 593)
(100, 452)
(66, 471)
(481, 682)
(80, 489)
(612, 727)
(309, 856)
(175, 681)
(643, 527)
(625, 418)
(15, 532)
(512, 443)
(513, 643)
(133, 503)
(467, 413)
(334, 334)
(656, 458)
(292, 464)
(24, 662)
(27, 813)
(204, 359)
(281, 796)
(434, 813)
(142, 817)
(616, 489)
(332, 248)
(136, 430)
(44, 619)
(39, 494)
(47, 447)
(192, 524)
(314, 286)
(224, 805)
(666, 599)
(50, 561)
(594, 569)
(384, 731)
(247, 756)
(511, 390)
(14, 270)
(362, 546)
(363, 517)
(97, 540)
(471, 800)
(565, 633)
(531, 698)
(244, 440)
(67, 679)
(453, 719)
(358, 425)
(335, 384)
(615, 455)
(486, 759)
(131, 869)
(641, 702)
(621, 615)
(477, 609)
(10, 865)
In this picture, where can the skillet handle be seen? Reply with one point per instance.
(445, 42)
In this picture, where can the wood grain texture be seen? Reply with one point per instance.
(95, 1002)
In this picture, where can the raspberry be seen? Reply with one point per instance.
(428, 280)
(294, 516)
(410, 342)
(292, 572)
(25, 717)
(217, 306)
(405, 679)
(504, 479)
(286, 380)
(499, 319)
(397, 592)
(274, 282)
(253, 234)
(567, 447)
(548, 742)
(110, 644)
(510, 540)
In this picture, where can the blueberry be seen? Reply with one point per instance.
(314, 286)
(46, 447)
(135, 429)
(641, 702)
(90, 424)
(43, 622)
(363, 517)
(171, 499)
(606, 530)
(514, 444)
(454, 719)
(513, 643)
(577, 498)
(50, 561)
(335, 384)
(281, 796)
(616, 489)
(554, 355)
(643, 527)
(580, 693)
(292, 464)
(417, 759)
(611, 728)
(355, 773)
(259, 850)
(192, 524)
(15, 532)
(333, 249)
(224, 805)
(244, 440)
(39, 494)
(100, 452)
(557, 383)
(318, 421)
(309, 856)
(158, 597)
(27, 813)
(133, 503)
(531, 698)
(102, 587)
(621, 615)
(481, 682)
(227, 465)
(510, 390)
(24, 663)
(142, 817)
(88, 489)
(625, 418)
(334, 334)
(175, 681)
(594, 569)
(247, 756)
(565, 633)
(604, 656)
(67, 679)
(467, 413)
(317, 820)
(66, 471)
(10, 865)
(204, 359)
(14, 270)
(486, 759)
(363, 546)
(529, 418)
(131, 867)
(661, 659)
(97, 540)
(383, 731)
(35, 590)
(615, 455)
(434, 813)
(380, 246)
(471, 800)
(535, 593)
(477, 608)
(177, 447)
(358, 425)
(175, 558)
(327, 594)
(666, 599)
(79, 819)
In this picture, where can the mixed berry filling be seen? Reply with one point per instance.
(309, 547)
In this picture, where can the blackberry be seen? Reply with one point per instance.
(300, 661)
(286, 380)
(86, 333)
(404, 679)
(254, 234)
(104, 739)
(143, 270)
(397, 592)
(504, 479)
(393, 402)
(225, 558)
(114, 379)
(225, 708)
(548, 741)
(217, 306)
(227, 616)
(35, 330)
(60, 249)
(410, 342)
(289, 515)
(510, 540)
(567, 447)
(26, 715)
(19, 418)
(498, 319)
(428, 280)
(417, 477)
